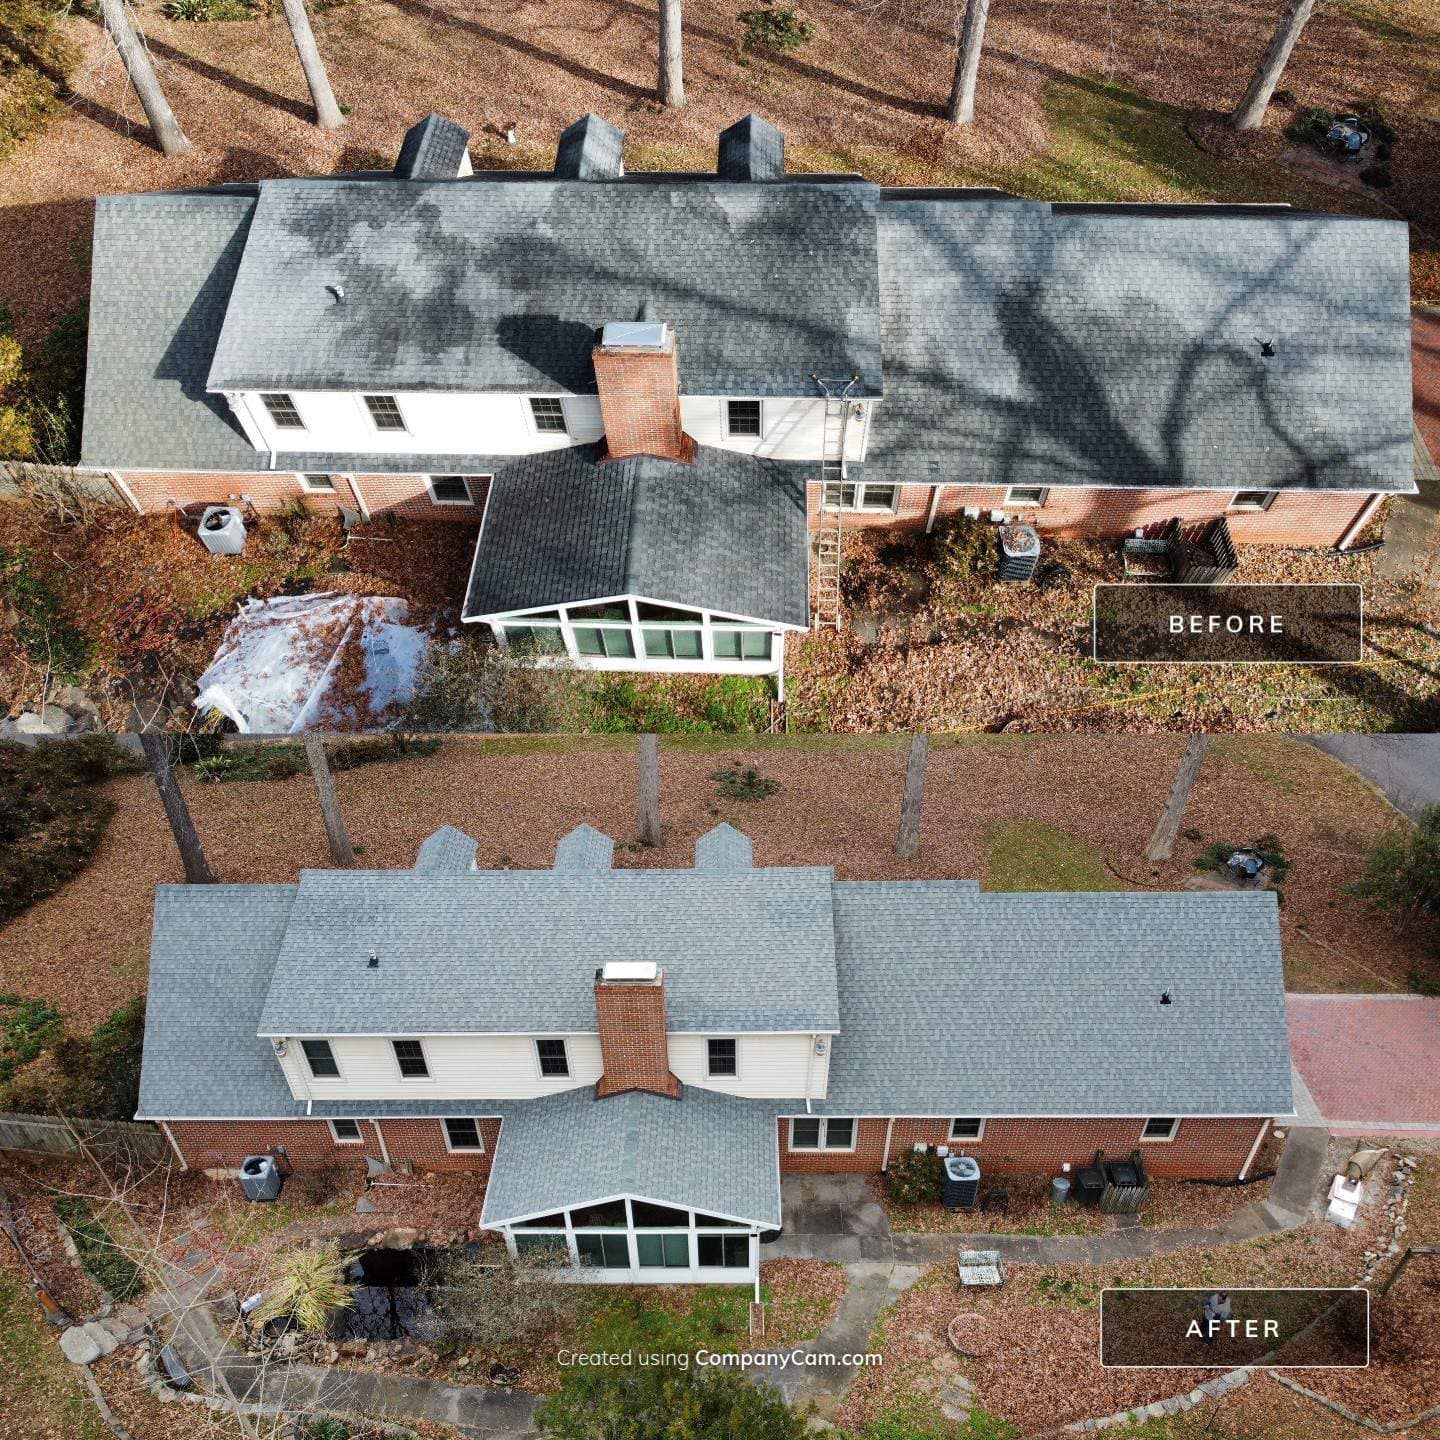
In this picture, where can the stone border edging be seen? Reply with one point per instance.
(1171, 1405)
(1391, 1427)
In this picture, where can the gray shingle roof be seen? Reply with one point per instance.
(724, 849)
(1027, 344)
(584, 848)
(590, 149)
(515, 951)
(447, 851)
(952, 1001)
(703, 1152)
(434, 149)
(726, 533)
(212, 951)
(162, 272)
(484, 285)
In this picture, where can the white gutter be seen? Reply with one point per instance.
(1361, 520)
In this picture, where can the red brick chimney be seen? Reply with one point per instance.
(637, 375)
(630, 1006)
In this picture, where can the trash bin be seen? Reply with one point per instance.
(260, 1177)
(962, 1183)
(222, 530)
(1059, 1189)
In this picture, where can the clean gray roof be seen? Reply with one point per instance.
(448, 850)
(703, 1152)
(726, 533)
(953, 1001)
(724, 850)
(584, 848)
(162, 271)
(212, 951)
(515, 951)
(1030, 344)
(481, 285)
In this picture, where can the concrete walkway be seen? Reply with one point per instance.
(1410, 526)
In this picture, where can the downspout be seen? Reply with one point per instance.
(934, 507)
(1360, 521)
(810, 1070)
(1254, 1150)
(355, 490)
(380, 1136)
(889, 1133)
(169, 1135)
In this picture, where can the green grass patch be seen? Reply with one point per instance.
(917, 1417)
(1030, 855)
(679, 704)
(99, 1254)
(25, 1027)
(214, 758)
(38, 1391)
(717, 1317)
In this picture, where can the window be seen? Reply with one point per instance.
(608, 1252)
(534, 639)
(967, 1129)
(450, 489)
(321, 1059)
(1252, 500)
(729, 1252)
(856, 495)
(283, 414)
(345, 1132)
(721, 1057)
(551, 1245)
(1163, 1128)
(612, 642)
(671, 1252)
(385, 412)
(410, 1057)
(672, 644)
(542, 1222)
(463, 1134)
(606, 1215)
(1026, 495)
(815, 1132)
(656, 1217)
(548, 413)
(318, 484)
(553, 1060)
(742, 644)
(714, 1222)
(742, 417)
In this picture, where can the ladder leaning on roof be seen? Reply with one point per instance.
(830, 535)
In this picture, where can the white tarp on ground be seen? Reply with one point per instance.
(324, 661)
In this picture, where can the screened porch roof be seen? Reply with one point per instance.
(705, 1151)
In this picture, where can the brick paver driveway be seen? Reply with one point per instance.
(1371, 1062)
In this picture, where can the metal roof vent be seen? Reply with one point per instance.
(630, 972)
(590, 149)
(752, 149)
(1165, 998)
(374, 962)
(1267, 347)
(435, 149)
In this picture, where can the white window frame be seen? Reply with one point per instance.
(713, 1075)
(970, 1139)
(357, 1139)
(540, 1069)
(822, 1147)
(1011, 503)
(429, 1074)
(469, 491)
(368, 395)
(476, 1149)
(271, 421)
(330, 1046)
(534, 422)
(309, 489)
(1159, 1139)
(742, 400)
(1249, 509)
(860, 507)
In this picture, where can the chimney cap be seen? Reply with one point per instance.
(590, 149)
(636, 335)
(629, 972)
(752, 149)
(434, 149)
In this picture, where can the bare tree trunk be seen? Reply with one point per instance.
(341, 852)
(649, 790)
(1167, 828)
(187, 841)
(163, 124)
(671, 85)
(961, 110)
(907, 843)
(1250, 112)
(327, 112)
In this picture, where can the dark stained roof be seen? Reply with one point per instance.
(590, 149)
(434, 149)
(480, 285)
(1030, 344)
(727, 533)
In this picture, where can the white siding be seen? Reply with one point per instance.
(770, 1066)
(791, 429)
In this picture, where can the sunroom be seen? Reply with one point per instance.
(639, 1188)
(645, 564)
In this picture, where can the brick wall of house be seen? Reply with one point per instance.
(1203, 1149)
(404, 495)
(223, 1144)
(634, 1049)
(1294, 518)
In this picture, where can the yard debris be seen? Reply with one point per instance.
(324, 661)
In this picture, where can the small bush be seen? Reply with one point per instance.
(915, 1177)
(35, 64)
(239, 760)
(1310, 125)
(776, 27)
(748, 784)
(1376, 176)
(25, 1026)
(1402, 870)
(110, 1266)
(200, 11)
(327, 1427)
(963, 548)
(50, 641)
(308, 1284)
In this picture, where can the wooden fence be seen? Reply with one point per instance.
(50, 1135)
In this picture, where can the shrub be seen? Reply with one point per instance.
(963, 548)
(748, 784)
(327, 1427)
(35, 64)
(1402, 870)
(776, 27)
(915, 1177)
(203, 10)
(644, 1403)
(308, 1284)
(1376, 176)
(111, 1267)
(1310, 125)
(1215, 855)
(476, 686)
(501, 1304)
(25, 1026)
(49, 640)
